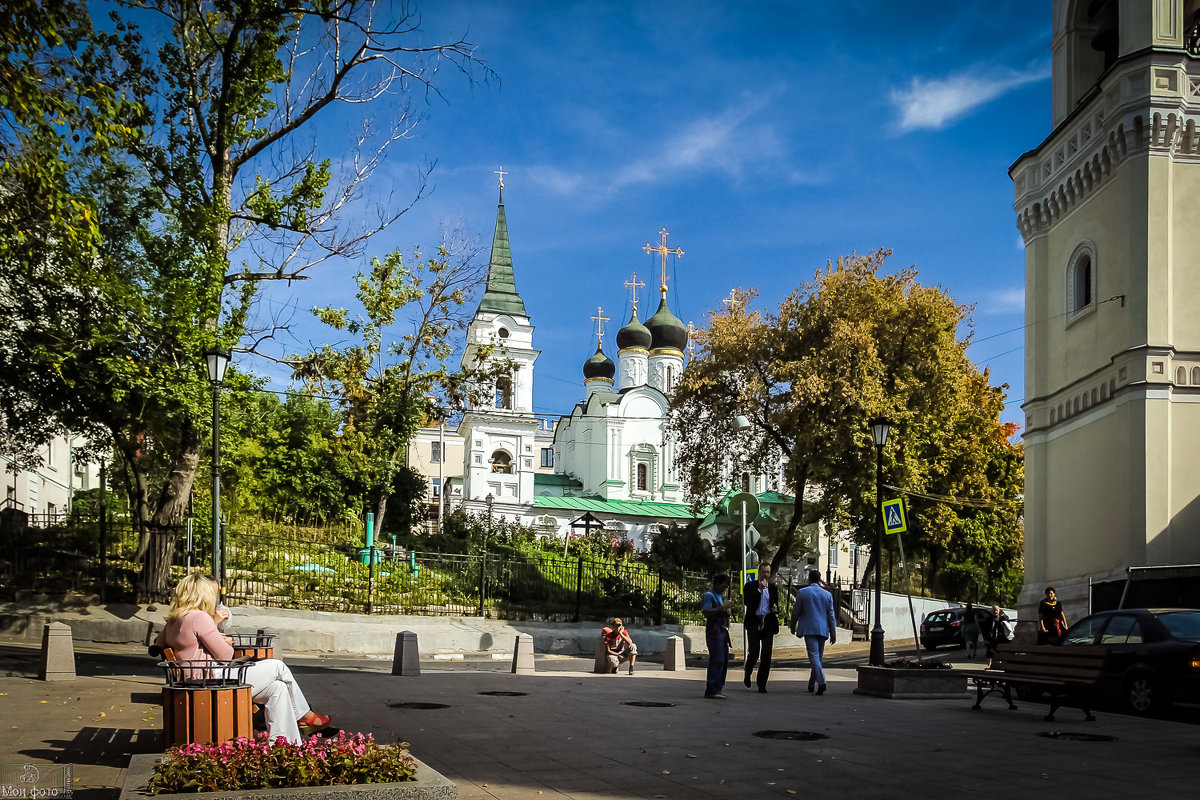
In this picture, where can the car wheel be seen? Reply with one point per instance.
(1142, 694)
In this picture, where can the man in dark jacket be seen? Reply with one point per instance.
(762, 604)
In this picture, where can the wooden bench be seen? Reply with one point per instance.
(205, 702)
(1068, 675)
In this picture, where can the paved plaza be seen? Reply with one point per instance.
(567, 733)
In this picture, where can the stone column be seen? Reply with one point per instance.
(58, 653)
(522, 663)
(406, 660)
(673, 656)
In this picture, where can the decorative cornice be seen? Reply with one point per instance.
(1122, 120)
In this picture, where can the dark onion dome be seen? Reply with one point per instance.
(599, 366)
(666, 331)
(635, 334)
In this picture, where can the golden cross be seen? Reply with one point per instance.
(692, 330)
(600, 320)
(732, 300)
(501, 173)
(634, 284)
(664, 251)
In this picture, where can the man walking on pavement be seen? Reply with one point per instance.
(716, 636)
(762, 623)
(813, 619)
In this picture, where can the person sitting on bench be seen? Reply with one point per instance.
(191, 631)
(619, 646)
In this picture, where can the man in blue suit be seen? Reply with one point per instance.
(812, 618)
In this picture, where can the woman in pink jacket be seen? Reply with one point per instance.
(191, 631)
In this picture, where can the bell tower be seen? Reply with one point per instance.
(1107, 208)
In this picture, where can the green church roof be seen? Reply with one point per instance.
(501, 296)
(629, 508)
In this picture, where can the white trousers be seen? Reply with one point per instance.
(275, 689)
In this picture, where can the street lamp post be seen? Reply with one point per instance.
(217, 360)
(483, 556)
(879, 432)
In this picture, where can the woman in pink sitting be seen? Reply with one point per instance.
(191, 631)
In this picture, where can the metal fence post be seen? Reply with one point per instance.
(659, 616)
(578, 588)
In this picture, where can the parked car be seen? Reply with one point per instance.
(1153, 654)
(944, 626)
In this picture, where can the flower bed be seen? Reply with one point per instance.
(345, 766)
(929, 681)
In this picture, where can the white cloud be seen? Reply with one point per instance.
(1004, 301)
(936, 103)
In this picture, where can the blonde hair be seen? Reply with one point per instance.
(195, 592)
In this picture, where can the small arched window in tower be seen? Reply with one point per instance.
(670, 377)
(1196, 375)
(1112, 386)
(1080, 286)
(501, 462)
(643, 477)
(1096, 31)
(1095, 395)
(1181, 376)
(1103, 392)
(504, 397)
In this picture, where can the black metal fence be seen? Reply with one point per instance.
(301, 571)
(298, 572)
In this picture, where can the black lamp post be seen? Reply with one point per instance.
(879, 432)
(217, 360)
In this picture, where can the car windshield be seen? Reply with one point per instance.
(1182, 624)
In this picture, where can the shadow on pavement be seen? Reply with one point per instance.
(102, 747)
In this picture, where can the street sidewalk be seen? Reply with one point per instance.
(572, 734)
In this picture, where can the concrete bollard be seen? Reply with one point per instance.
(601, 666)
(58, 653)
(673, 656)
(523, 655)
(406, 660)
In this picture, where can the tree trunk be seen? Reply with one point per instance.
(789, 537)
(380, 511)
(166, 525)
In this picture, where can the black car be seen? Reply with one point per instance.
(1153, 654)
(945, 626)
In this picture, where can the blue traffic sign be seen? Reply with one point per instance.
(894, 518)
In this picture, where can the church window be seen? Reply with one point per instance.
(1095, 30)
(1181, 376)
(670, 377)
(1103, 392)
(1052, 416)
(642, 477)
(504, 393)
(547, 457)
(1076, 409)
(435, 452)
(501, 462)
(1112, 386)
(502, 333)
(1094, 396)
(1081, 282)
(1195, 374)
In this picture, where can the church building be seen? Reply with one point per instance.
(1107, 207)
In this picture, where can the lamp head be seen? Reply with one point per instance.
(740, 423)
(879, 430)
(217, 360)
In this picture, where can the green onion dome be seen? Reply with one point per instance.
(666, 331)
(635, 334)
(599, 366)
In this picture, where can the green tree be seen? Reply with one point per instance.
(222, 190)
(846, 346)
(388, 387)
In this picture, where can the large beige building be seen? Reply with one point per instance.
(1108, 207)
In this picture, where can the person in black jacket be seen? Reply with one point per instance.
(762, 623)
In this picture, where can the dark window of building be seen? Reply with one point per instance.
(547, 456)
(745, 481)
(504, 393)
(435, 452)
(642, 477)
(437, 487)
(501, 462)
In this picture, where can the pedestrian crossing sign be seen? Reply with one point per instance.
(894, 518)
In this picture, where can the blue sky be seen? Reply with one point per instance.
(767, 137)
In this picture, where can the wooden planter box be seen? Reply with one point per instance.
(911, 684)
(429, 785)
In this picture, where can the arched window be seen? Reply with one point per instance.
(1103, 392)
(670, 377)
(501, 462)
(1181, 376)
(1095, 31)
(1112, 386)
(643, 477)
(1081, 281)
(504, 393)
(1195, 374)
(1052, 416)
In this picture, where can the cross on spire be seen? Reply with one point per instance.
(692, 331)
(501, 173)
(663, 250)
(600, 319)
(633, 284)
(733, 300)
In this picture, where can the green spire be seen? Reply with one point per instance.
(501, 296)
